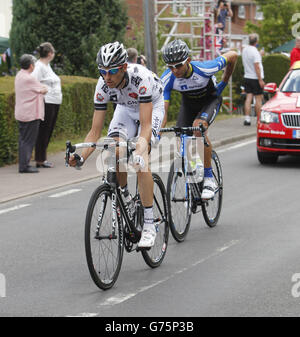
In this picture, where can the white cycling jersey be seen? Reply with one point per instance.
(142, 86)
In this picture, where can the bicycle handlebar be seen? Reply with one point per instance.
(183, 130)
(187, 129)
(105, 145)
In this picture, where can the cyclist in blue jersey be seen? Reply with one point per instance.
(201, 94)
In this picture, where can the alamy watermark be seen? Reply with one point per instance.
(2, 286)
(296, 287)
(296, 26)
(160, 159)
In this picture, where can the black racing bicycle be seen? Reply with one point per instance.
(184, 193)
(109, 224)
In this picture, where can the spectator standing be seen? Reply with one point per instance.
(142, 60)
(44, 73)
(253, 77)
(295, 53)
(29, 110)
(132, 55)
(222, 11)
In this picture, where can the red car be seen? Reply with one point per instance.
(278, 127)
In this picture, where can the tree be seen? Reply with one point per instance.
(276, 28)
(76, 28)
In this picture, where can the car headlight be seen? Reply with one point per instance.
(269, 117)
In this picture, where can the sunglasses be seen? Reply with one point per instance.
(111, 71)
(177, 65)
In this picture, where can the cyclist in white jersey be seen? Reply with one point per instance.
(201, 94)
(138, 94)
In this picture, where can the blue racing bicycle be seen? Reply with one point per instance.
(184, 191)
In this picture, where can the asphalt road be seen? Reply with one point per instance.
(242, 267)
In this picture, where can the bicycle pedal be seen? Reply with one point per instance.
(140, 249)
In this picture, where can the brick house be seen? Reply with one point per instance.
(243, 10)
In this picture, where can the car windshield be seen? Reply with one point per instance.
(292, 84)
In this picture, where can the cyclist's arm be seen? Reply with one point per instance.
(231, 59)
(93, 135)
(95, 131)
(146, 128)
(164, 122)
(168, 82)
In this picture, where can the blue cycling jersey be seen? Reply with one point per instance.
(200, 84)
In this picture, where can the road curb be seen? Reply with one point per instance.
(234, 139)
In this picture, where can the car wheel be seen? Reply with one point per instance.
(267, 158)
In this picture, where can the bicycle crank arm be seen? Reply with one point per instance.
(107, 237)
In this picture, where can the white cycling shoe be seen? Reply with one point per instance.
(148, 238)
(209, 188)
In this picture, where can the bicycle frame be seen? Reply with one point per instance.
(181, 132)
(111, 179)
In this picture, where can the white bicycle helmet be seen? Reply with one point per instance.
(111, 55)
(175, 51)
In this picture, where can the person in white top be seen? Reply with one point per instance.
(44, 73)
(254, 75)
(138, 94)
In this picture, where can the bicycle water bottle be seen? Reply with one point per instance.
(129, 201)
(197, 170)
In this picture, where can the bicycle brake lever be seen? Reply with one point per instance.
(203, 130)
(79, 163)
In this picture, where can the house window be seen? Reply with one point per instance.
(259, 15)
(177, 7)
(197, 7)
(242, 12)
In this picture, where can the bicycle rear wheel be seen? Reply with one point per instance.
(103, 239)
(211, 209)
(179, 201)
(156, 254)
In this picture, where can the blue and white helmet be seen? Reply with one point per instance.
(111, 55)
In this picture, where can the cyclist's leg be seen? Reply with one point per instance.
(145, 181)
(206, 116)
(186, 117)
(122, 127)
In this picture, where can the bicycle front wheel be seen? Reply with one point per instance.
(179, 201)
(156, 254)
(211, 209)
(103, 239)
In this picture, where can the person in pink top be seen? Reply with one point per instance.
(29, 110)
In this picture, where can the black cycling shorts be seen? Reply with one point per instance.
(206, 109)
(252, 87)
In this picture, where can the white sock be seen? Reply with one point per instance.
(247, 118)
(148, 218)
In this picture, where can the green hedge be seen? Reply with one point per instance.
(75, 114)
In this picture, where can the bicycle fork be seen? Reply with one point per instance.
(115, 217)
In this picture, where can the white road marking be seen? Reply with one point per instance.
(233, 147)
(62, 194)
(119, 298)
(85, 314)
(15, 208)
